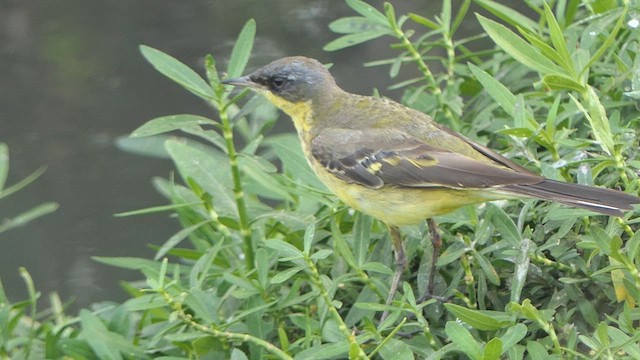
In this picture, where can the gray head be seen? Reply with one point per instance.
(293, 79)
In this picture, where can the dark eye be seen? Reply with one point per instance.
(278, 82)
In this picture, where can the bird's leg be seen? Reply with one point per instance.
(436, 241)
(401, 262)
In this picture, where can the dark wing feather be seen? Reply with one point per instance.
(375, 158)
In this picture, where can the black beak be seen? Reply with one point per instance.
(243, 81)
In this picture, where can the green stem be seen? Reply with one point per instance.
(414, 54)
(317, 281)
(33, 301)
(541, 259)
(549, 329)
(238, 191)
(223, 335)
(470, 281)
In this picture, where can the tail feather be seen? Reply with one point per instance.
(601, 200)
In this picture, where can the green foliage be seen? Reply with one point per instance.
(26, 216)
(269, 265)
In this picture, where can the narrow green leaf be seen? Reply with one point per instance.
(461, 14)
(354, 351)
(463, 340)
(561, 82)
(212, 71)
(309, 235)
(367, 11)
(22, 183)
(492, 350)
(517, 132)
(519, 113)
(337, 350)
(550, 124)
(557, 38)
(288, 149)
(419, 19)
(390, 13)
(156, 209)
(321, 254)
(621, 340)
(340, 245)
(176, 239)
(487, 268)
(209, 135)
(27, 216)
(242, 49)
(145, 302)
(607, 44)
(240, 281)
(361, 238)
(285, 275)
(445, 16)
(353, 39)
(4, 165)
(95, 333)
(106, 344)
(451, 254)
(254, 309)
(132, 263)
(169, 123)
(530, 311)
(546, 50)
(356, 24)
(376, 267)
(283, 248)
(204, 305)
(521, 270)
(599, 121)
(262, 183)
(178, 72)
(498, 92)
(602, 6)
(237, 354)
(508, 15)
(292, 219)
(519, 49)
(149, 146)
(537, 351)
(512, 336)
(504, 224)
(597, 118)
(200, 271)
(481, 320)
(209, 170)
(505, 98)
(394, 349)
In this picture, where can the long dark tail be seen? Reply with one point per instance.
(604, 201)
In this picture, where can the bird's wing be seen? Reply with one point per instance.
(375, 158)
(494, 156)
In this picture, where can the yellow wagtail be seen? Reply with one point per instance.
(395, 163)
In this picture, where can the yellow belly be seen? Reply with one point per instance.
(401, 205)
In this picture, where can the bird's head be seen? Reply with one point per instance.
(289, 81)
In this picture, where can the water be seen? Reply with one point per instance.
(73, 81)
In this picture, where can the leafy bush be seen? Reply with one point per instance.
(275, 268)
(18, 324)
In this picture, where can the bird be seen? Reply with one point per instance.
(397, 164)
